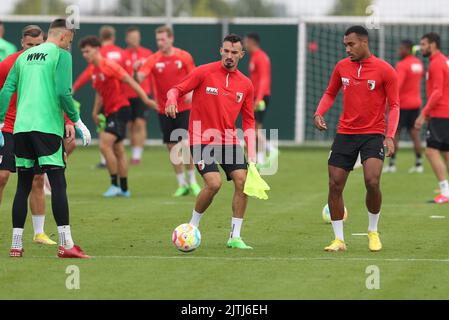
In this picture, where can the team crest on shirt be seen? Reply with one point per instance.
(371, 84)
(178, 64)
(239, 97)
(201, 165)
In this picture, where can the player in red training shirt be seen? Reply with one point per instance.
(168, 67)
(367, 83)
(220, 93)
(108, 50)
(32, 35)
(410, 72)
(436, 111)
(135, 57)
(260, 74)
(107, 79)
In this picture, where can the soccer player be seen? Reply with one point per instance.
(260, 75)
(135, 57)
(410, 72)
(42, 78)
(107, 79)
(32, 35)
(168, 67)
(108, 50)
(6, 47)
(436, 111)
(367, 83)
(220, 93)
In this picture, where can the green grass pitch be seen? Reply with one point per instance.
(134, 256)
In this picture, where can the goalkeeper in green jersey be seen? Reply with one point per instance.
(42, 77)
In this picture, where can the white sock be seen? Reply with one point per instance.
(236, 226)
(102, 159)
(65, 237)
(260, 157)
(137, 153)
(444, 187)
(196, 217)
(181, 179)
(17, 238)
(192, 177)
(338, 229)
(38, 224)
(373, 221)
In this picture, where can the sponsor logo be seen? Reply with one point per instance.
(371, 84)
(416, 68)
(239, 97)
(212, 90)
(160, 66)
(37, 56)
(345, 82)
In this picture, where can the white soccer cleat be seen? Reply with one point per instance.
(389, 169)
(416, 169)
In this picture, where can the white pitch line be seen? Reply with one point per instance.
(437, 217)
(359, 234)
(261, 258)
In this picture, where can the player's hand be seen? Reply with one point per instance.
(389, 144)
(188, 97)
(95, 119)
(171, 110)
(320, 124)
(69, 133)
(83, 132)
(151, 104)
(420, 121)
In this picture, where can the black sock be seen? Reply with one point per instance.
(114, 180)
(418, 159)
(59, 202)
(124, 184)
(20, 204)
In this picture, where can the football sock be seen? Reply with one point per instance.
(192, 177)
(137, 153)
(418, 160)
(38, 224)
(59, 202)
(17, 238)
(392, 162)
(373, 221)
(65, 237)
(114, 180)
(20, 204)
(102, 159)
(338, 229)
(444, 187)
(124, 184)
(236, 226)
(181, 179)
(196, 217)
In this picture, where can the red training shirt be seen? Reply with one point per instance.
(107, 81)
(410, 72)
(437, 87)
(219, 96)
(131, 57)
(168, 71)
(260, 74)
(367, 85)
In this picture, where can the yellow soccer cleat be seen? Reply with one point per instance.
(42, 238)
(374, 241)
(336, 245)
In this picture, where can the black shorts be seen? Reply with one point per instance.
(438, 134)
(117, 122)
(229, 157)
(38, 150)
(260, 115)
(346, 148)
(168, 125)
(407, 119)
(7, 157)
(138, 109)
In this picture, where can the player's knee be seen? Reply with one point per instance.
(213, 186)
(335, 187)
(239, 182)
(372, 183)
(38, 181)
(4, 176)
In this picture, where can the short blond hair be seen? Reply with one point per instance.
(165, 29)
(107, 33)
